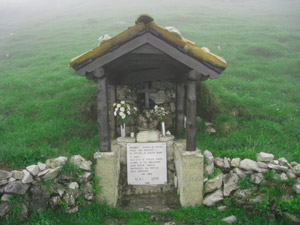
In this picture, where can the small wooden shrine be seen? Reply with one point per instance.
(145, 53)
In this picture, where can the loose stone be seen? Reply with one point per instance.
(33, 169)
(264, 157)
(235, 162)
(231, 183)
(256, 178)
(27, 178)
(214, 183)
(213, 198)
(17, 174)
(229, 219)
(4, 174)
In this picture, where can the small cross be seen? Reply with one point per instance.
(147, 91)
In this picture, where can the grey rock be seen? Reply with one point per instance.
(239, 172)
(223, 164)
(42, 173)
(296, 188)
(256, 178)
(148, 136)
(59, 189)
(210, 130)
(16, 187)
(42, 166)
(73, 185)
(4, 208)
(296, 169)
(262, 165)
(294, 163)
(4, 174)
(214, 183)
(222, 208)
(283, 161)
(244, 194)
(159, 97)
(276, 162)
(264, 157)
(85, 177)
(229, 219)
(33, 169)
(58, 162)
(248, 164)
(87, 192)
(231, 183)
(39, 197)
(277, 167)
(54, 202)
(172, 107)
(283, 177)
(209, 162)
(4, 181)
(17, 174)
(52, 173)
(293, 218)
(5, 197)
(213, 198)
(290, 174)
(72, 210)
(70, 197)
(104, 38)
(27, 177)
(174, 31)
(235, 162)
(11, 179)
(81, 163)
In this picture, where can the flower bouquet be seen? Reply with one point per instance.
(161, 113)
(123, 111)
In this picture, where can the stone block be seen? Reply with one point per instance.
(148, 136)
(189, 167)
(107, 171)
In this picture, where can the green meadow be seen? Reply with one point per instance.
(46, 110)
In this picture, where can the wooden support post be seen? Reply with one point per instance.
(191, 125)
(112, 118)
(180, 100)
(102, 111)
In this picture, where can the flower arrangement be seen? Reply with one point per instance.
(123, 111)
(160, 112)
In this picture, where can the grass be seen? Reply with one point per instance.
(45, 108)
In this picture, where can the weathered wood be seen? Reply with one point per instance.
(110, 56)
(147, 91)
(144, 76)
(191, 125)
(147, 49)
(112, 118)
(102, 116)
(180, 100)
(181, 57)
(158, 44)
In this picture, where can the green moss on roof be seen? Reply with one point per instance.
(145, 22)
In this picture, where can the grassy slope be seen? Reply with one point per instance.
(43, 106)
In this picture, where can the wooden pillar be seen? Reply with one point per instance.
(112, 118)
(191, 125)
(102, 111)
(180, 100)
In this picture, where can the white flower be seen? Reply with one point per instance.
(162, 108)
(135, 108)
(122, 109)
(123, 102)
(155, 107)
(128, 107)
(118, 105)
(128, 113)
(115, 113)
(123, 116)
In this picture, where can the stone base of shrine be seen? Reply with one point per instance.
(184, 175)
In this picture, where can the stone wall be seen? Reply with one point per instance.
(224, 177)
(164, 96)
(56, 183)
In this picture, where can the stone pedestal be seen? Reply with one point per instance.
(107, 171)
(189, 169)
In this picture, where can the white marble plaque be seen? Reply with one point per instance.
(146, 163)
